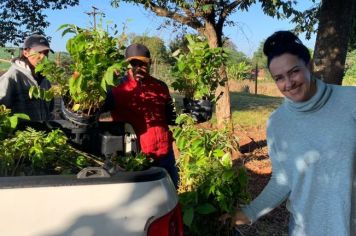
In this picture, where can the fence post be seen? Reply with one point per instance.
(256, 76)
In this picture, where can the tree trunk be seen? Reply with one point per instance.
(335, 21)
(223, 107)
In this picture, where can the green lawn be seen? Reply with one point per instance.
(248, 110)
(252, 111)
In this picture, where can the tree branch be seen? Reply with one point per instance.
(187, 20)
(229, 8)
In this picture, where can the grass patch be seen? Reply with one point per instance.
(349, 81)
(4, 66)
(248, 110)
(252, 111)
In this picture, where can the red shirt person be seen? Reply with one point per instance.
(145, 103)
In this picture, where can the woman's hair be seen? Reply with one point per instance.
(21, 57)
(282, 42)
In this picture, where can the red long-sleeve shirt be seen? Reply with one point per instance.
(142, 104)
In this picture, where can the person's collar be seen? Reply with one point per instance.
(317, 101)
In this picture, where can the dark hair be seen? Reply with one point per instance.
(21, 58)
(282, 42)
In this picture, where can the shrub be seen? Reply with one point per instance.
(209, 184)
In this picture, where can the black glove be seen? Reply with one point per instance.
(201, 110)
(171, 114)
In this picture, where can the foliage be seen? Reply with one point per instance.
(350, 74)
(210, 17)
(209, 184)
(31, 152)
(9, 122)
(239, 71)
(57, 75)
(133, 163)
(180, 42)
(97, 58)
(156, 46)
(235, 57)
(20, 18)
(197, 13)
(197, 72)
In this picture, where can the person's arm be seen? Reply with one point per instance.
(5, 91)
(276, 191)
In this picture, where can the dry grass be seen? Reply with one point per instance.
(264, 87)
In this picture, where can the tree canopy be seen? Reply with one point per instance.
(156, 46)
(208, 17)
(19, 18)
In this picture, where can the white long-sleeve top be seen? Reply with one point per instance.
(312, 146)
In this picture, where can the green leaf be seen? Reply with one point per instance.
(207, 7)
(31, 91)
(22, 116)
(181, 142)
(188, 216)
(218, 153)
(76, 107)
(206, 209)
(35, 92)
(48, 95)
(226, 160)
(13, 121)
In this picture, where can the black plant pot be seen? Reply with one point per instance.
(201, 110)
(77, 119)
(88, 134)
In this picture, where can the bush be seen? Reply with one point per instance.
(209, 184)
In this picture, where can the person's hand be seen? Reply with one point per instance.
(140, 72)
(239, 218)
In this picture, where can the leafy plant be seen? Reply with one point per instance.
(57, 75)
(197, 72)
(133, 162)
(239, 71)
(31, 152)
(209, 183)
(97, 58)
(9, 122)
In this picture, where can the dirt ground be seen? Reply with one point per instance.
(255, 158)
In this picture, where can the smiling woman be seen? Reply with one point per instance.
(292, 77)
(311, 139)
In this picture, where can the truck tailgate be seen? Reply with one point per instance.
(64, 205)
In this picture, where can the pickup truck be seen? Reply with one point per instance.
(128, 204)
(93, 202)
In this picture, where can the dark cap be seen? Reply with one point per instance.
(138, 52)
(37, 43)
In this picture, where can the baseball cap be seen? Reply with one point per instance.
(37, 42)
(139, 52)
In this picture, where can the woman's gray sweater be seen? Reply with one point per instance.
(312, 146)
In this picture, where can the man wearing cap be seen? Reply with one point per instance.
(145, 103)
(16, 82)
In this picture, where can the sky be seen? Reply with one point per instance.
(251, 29)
